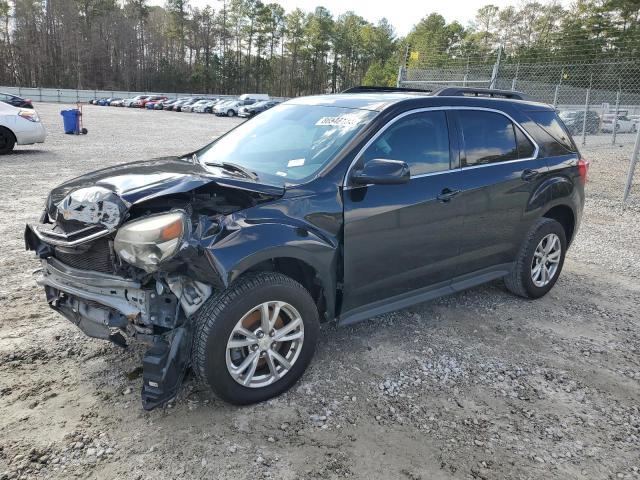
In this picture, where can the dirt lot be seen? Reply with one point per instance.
(478, 385)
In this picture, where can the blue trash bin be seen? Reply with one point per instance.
(70, 120)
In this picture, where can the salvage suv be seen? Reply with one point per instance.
(335, 207)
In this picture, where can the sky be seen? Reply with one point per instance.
(402, 14)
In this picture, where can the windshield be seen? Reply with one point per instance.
(287, 143)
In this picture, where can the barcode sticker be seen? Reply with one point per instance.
(341, 121)
(296, 162)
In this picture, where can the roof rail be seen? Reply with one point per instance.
(367, 89)
(480, 92)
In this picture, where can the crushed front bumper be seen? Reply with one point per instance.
(99, 302)
(103, 306)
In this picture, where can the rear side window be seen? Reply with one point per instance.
(489, 137)
(548, 120)
(526, 149)
(420, 139)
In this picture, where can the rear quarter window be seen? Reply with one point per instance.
(558, 141)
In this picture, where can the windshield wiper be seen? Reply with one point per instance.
(235, 168)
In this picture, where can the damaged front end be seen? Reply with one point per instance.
(107, 306)
(120, 264)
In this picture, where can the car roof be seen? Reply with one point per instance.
(380, 101)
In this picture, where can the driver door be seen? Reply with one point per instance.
(399, 239)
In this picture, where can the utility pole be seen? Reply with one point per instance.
(403, 68)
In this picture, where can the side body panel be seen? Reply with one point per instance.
(495, 200)
(399, 237)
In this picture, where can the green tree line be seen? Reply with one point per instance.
(236, 46)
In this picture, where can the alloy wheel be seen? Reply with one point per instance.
(546, 259)
(265, 344)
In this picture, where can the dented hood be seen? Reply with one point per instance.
(141, 181)
(103, 196)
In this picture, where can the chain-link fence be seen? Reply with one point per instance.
(599, 102)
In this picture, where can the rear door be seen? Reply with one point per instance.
(401, 238)
(500, 171)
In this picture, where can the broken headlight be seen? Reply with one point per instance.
(147, 242)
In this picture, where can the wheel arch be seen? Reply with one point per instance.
(566, 217)
(312, 264)
(300, 271)
(4, 127)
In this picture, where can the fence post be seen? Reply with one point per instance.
(555, 96)
(586, 110)
(557, 92)
(399, 80)
(632, 167)
(615, 120)
(496, 68)
(464, 80)
(515, 78)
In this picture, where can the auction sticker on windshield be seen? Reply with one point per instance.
(297, 162)
(339, 121)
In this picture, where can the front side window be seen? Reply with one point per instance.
(420, 139)
(489, 137)
(288, 143)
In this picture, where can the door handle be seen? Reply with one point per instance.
(447, 194)
(529, 174)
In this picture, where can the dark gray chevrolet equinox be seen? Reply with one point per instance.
(339, 206)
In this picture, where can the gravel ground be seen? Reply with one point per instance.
(478, 385)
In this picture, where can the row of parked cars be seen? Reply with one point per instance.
(599, 123)
(246, 105)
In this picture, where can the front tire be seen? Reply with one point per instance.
(7, 141)
(231, 113)
(255, 339)
(539, 260)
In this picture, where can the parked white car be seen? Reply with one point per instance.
(19, 126)
(132, 102)
(195, 107)
(623, 124)
(204, 106)
(230, 108)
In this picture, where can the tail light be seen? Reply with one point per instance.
(30, 115)
(583, 168)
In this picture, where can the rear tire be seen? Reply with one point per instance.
(7, 141)
(535, 271)
(229, 331)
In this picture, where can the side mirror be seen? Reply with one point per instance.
(379, 171)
